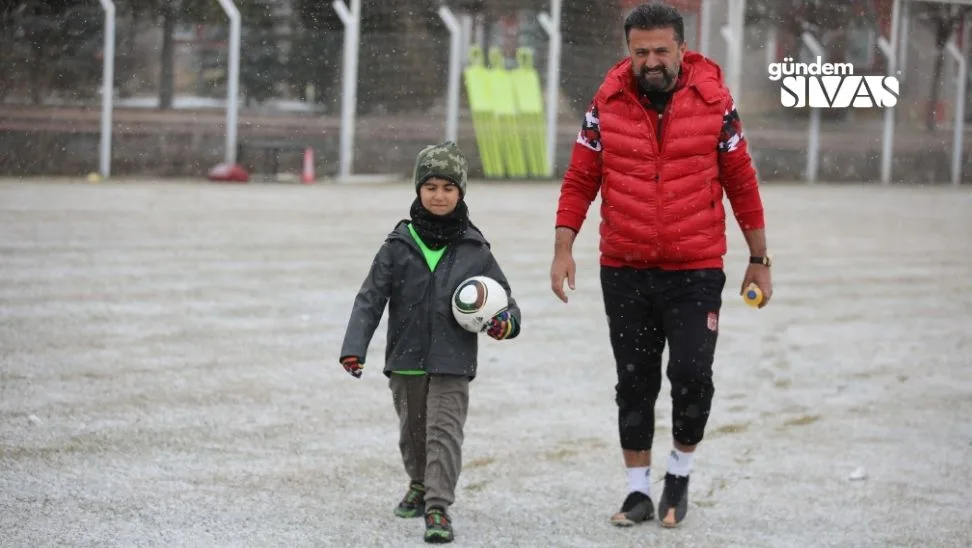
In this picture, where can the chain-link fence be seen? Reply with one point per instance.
(171, 70)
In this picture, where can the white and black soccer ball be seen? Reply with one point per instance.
(476, 301)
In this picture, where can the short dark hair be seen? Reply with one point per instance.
(655, 15)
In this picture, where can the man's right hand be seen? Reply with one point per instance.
(563, 267)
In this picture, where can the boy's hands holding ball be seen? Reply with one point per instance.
(501, 326)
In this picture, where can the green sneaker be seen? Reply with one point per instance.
(413, 503)
(438, 526)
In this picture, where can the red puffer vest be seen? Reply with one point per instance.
(661, 204)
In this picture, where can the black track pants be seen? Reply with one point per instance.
(645, 309)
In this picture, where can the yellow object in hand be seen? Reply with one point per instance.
(753, 296)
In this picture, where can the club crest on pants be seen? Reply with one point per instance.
(713, 321)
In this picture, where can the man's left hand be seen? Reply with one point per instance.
(759, 275)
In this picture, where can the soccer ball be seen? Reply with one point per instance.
(476, 301)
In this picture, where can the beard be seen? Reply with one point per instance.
(658, 79)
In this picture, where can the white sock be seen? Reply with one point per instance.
(639, 479)
(679, 463)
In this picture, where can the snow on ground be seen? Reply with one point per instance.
(168, 375)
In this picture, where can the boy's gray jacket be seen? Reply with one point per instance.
(422, 333)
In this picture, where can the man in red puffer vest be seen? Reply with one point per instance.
(661, 141)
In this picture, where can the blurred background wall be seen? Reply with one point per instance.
(171, 67)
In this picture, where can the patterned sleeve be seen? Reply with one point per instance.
(590, 132)
(738, 174)
(732, 133)
(582, 181)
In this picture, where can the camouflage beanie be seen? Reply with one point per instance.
(443, 160)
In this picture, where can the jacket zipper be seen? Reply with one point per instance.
(664, 129)
(658, 167)
(448, 258)
(429, 294)
(658, 141)
(652, 130)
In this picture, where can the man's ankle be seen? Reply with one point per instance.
(679, 463)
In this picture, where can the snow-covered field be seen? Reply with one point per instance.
(168, 375)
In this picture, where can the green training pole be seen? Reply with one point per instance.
(478, 91)
(504, 104)
(529, 105)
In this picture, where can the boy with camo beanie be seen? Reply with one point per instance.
(429, 359)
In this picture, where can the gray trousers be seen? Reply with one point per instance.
(431, 414)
